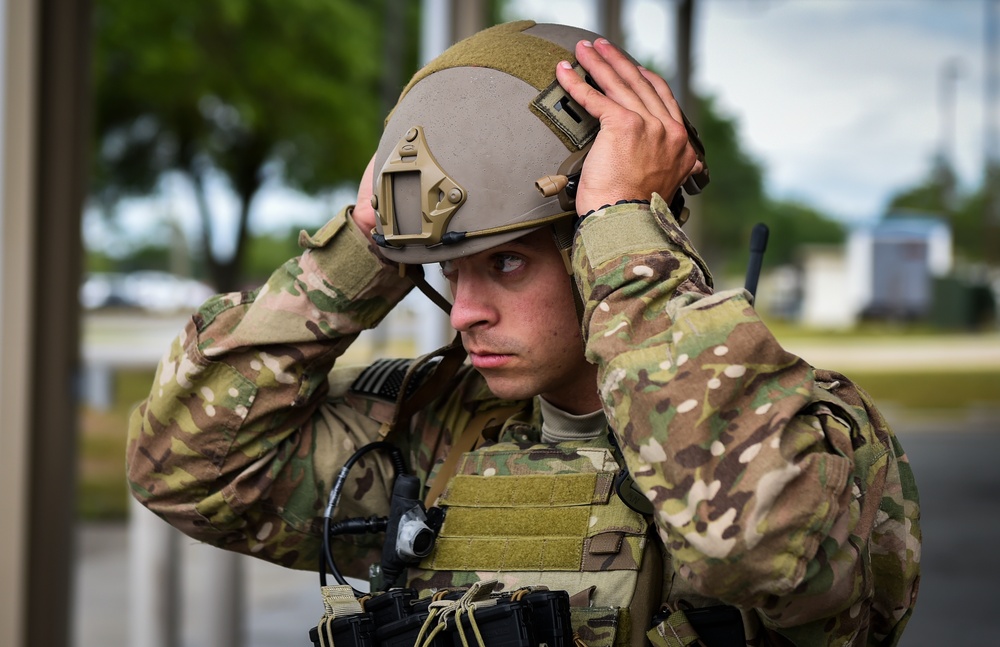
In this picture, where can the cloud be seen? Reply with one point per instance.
(841, 99)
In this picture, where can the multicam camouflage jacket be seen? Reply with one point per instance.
(776, 487)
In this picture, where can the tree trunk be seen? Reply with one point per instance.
(227, 275)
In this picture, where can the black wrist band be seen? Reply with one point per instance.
(580, 218)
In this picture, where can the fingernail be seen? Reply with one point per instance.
(565, 65)
(603, 41)
(587, 43)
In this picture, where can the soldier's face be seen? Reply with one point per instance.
(513, 305)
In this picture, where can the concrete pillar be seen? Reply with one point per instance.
(468, 17)
(45, 134)
(19, 68)
(154, 580)
(609, 21)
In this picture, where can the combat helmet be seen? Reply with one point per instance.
(485, 146)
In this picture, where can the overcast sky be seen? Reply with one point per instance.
(838, 99)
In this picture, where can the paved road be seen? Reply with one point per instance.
(281, 604)
(956, 469)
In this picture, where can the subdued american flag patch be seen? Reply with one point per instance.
(384, 377)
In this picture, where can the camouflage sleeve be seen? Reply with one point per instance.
(237, 444)
(749, 468)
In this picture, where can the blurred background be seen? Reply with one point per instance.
(157, 152)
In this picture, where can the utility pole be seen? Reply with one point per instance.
(681, 87)
(467, 18)
(945, 167)
(609, 21)
(991, 163)
(442, 23)
(682, 74)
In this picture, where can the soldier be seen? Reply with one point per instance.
(598, 351)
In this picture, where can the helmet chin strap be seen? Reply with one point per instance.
(563, 233)
(416, 274)
(446, 360)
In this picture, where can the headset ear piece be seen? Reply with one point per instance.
(694, 184)
(677, 208)
(566, 181)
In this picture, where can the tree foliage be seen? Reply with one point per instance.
(250, 89)
(935, 194)
(968, 212)
(736, 200)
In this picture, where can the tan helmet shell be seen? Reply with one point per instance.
(468, 139)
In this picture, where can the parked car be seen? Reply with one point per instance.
(149, 290)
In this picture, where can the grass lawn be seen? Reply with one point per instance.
(102, 492)
(939, 390)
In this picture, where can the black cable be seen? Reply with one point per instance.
(352, 526)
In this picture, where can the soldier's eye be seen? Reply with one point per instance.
(507, 263)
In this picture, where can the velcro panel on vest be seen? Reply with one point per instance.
(509, 554)
(521, 522)
(528, 490)
(588, 530)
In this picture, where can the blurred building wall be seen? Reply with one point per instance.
(827, 299)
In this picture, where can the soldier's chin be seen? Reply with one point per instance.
(509, 389)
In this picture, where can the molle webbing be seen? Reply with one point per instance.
(536, 518)
(529, 490)
(470, 436)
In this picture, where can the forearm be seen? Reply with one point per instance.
(716, 421)
(229, 415)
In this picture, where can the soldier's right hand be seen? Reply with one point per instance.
(643, 146)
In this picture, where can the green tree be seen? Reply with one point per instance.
(736, 200)
(245, 90)
(792, 225)
(935, 194)
(972, 234)
(266, 252)
(967, 212)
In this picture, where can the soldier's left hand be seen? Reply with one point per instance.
(643, 145)
(363, 213)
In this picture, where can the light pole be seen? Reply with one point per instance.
(951, 70)
(991, 212)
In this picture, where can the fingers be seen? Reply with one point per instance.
(643, 145)
(594, 102)
(664, 92)
(619, 77)
(365, 186)
(626, 84)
